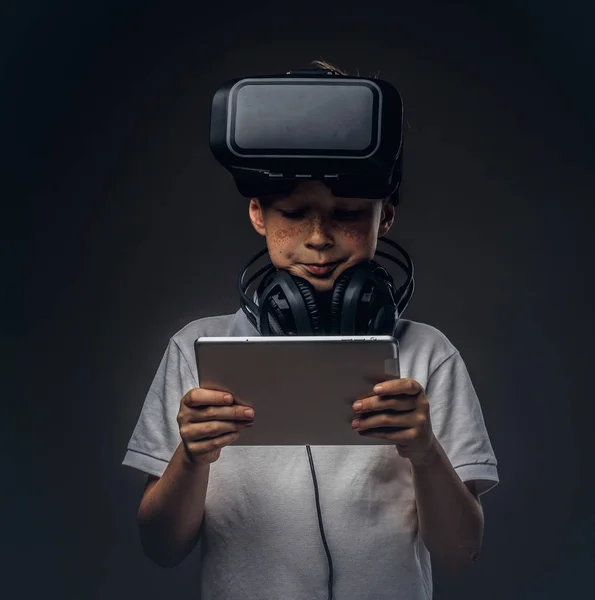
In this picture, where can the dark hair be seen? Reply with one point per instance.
(266, 201)
(327, 66)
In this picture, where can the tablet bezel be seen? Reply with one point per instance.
(280, 373)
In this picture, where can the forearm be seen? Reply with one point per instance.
(450, 518)
(171, 514)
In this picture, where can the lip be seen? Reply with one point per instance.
(321, 269)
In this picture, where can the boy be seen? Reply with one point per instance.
(386, 509)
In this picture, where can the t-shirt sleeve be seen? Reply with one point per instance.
(458, 424)
(156, 435)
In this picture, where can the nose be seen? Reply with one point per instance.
(319, 234)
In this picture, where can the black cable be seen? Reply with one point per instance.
(328, 554)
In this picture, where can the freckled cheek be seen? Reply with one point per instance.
(360, 235)
(282, 242)
(282, 235)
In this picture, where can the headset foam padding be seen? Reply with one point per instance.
(307, 291)
(337, 300)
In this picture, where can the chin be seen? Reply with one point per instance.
(322, 285)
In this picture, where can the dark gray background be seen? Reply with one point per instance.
(132, 230)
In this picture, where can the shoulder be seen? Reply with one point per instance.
(420, 342)
(422, 334)
(215, 326)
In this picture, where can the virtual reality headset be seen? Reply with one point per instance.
(274, 131)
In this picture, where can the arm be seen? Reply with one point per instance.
(450, 518)
(450, 515)
(171, 511)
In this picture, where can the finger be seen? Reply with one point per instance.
(197, 397)
(382, 403)
(221, 413)
(194, 432)
(208, 445)
(402, 421)
(406, 386)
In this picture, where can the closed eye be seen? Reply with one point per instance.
(340, 214)
(292, 214)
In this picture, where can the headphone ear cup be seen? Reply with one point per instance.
(307, 291)
(273, 317)
(365, 318)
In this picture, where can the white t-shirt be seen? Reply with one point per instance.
(261, 537)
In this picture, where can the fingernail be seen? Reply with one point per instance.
(378, 388)
(249, 413)
(357, 406)
(355, 423)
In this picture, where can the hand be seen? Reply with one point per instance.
(208, 422)
(400, 412)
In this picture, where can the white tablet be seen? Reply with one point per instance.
(302, 388)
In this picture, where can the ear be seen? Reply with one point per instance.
(387, 216)
(256, 213)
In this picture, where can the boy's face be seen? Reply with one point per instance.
(323, 229)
